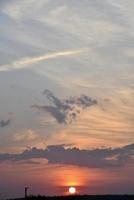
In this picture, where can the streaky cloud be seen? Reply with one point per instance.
(26, 62)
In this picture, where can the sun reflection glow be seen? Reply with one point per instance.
(72, 190)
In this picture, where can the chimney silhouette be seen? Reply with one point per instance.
(26, 189)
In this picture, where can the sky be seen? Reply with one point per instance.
(66, 97)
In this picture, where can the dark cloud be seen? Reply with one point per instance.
(4, 123)
(66, 110)
(94, 158)
(57, 114)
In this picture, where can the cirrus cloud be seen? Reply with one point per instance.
(26, 135)
(25, 62)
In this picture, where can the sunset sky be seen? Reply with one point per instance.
(66, 96)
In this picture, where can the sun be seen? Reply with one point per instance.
(72, 190)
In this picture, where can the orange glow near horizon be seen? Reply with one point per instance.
(71, 176)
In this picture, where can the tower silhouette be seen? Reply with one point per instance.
(26, 190)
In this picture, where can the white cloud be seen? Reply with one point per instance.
(18, 10)
(26, 62)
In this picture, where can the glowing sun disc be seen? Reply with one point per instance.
(72, 190)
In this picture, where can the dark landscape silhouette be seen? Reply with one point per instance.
(80, 197)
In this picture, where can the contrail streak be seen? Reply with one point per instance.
(25, 62)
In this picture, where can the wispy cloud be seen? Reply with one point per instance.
(26, 62)
(25, 135)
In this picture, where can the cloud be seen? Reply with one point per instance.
(66, 110)
(4, 123)
(94, 158)
(26, 135)
(58, 115)
(25, 62)
(18, 10)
